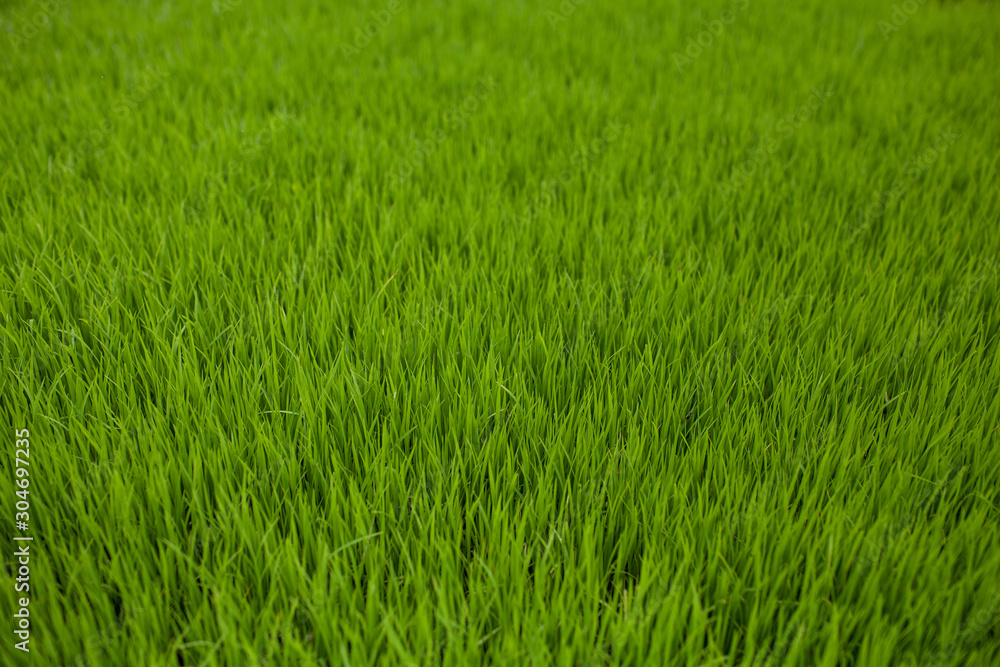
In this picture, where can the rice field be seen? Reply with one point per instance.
(465, 333)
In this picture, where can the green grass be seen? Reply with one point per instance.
(504, 338)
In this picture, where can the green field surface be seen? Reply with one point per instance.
(564, 333)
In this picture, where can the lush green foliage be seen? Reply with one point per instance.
(512, 332)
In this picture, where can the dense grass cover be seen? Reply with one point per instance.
(626, 332)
